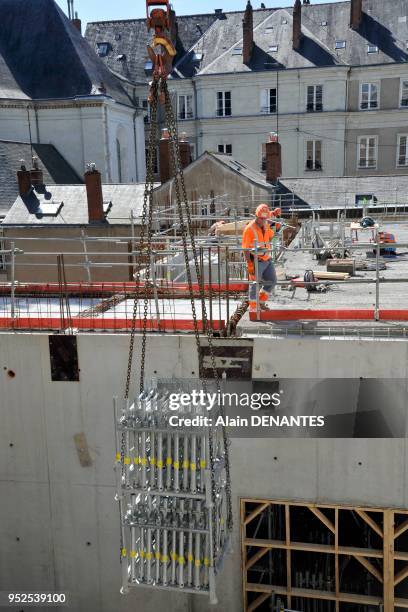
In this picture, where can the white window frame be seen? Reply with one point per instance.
(399, 136)
(187, 117)
(402, 81)
(315, 86)
(360, 138)
(360, 97)
(266, 110)
(223, 148)
(314, 141)
(223, 108)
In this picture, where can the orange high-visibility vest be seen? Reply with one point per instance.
(255, 234)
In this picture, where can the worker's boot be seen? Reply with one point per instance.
(263, 298)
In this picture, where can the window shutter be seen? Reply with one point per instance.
(264, 101)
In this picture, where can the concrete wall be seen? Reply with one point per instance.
(43, 268)
(59, 524)
(209, 178)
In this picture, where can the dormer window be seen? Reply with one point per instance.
(273, 49)
(197, 57)
(102, 49)
(237, 51)
(340, 44)
(372, 49)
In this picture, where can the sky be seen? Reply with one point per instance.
(102, 10)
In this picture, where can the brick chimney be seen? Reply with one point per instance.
(77, 23)
(297, 25)
(356, 13)
(247, 34)
(164, 156)
(185, 150)
(273, 158)
(36, 174)
(24, 180)
(93, 183)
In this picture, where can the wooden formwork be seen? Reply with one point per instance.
(389, 524)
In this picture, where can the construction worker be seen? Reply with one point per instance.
(256, 240)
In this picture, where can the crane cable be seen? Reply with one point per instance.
(159, 90)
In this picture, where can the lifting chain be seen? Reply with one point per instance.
(159, 89)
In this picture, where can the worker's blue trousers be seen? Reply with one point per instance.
(266, 276)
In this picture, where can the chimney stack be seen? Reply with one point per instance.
(164, 156)
(297, 25)
(77, 23)
(356, 14)
(36, 174)
(94, 194)
(24, 180)
(247, 34)
(185, 150)
(273, 158)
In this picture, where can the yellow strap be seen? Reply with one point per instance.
(165, 559)
(197, 562)
(159, 40)
(149, 555)
(157, 555)
(142, 553)
(117, 456)
(143, 460)
(169, 461)
(181, 560)
(136, 460)
(123, 552)
(206, 562)
(173, 556)
(190, 557)
(176, 465)
(159, 463)
(186, 464)
(152, 460)
(127, 461)
(202, 464)
(133, 554)
(193, 467)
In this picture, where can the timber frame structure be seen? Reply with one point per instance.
(388, 524)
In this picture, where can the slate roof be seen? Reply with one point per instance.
(124, 199)
(332, 192)
(55, 168)
(130, 38)
(384, 24)
(42, 55)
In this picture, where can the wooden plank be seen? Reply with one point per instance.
(252, 560)
(401, 603)
(373, 570)
(388, 566)
(243, 554)
(288, 555)
(401, 529)
(255, 513)
(258, 601)
(369, 521)
(318, 548)
(336, 556)
(315, 594)
(322, 517)
(280, 502)
(401, 575)
(400, 556)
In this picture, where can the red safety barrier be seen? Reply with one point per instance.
(55, 323)
(347, 314)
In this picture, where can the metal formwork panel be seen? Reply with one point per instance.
(172, 496)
